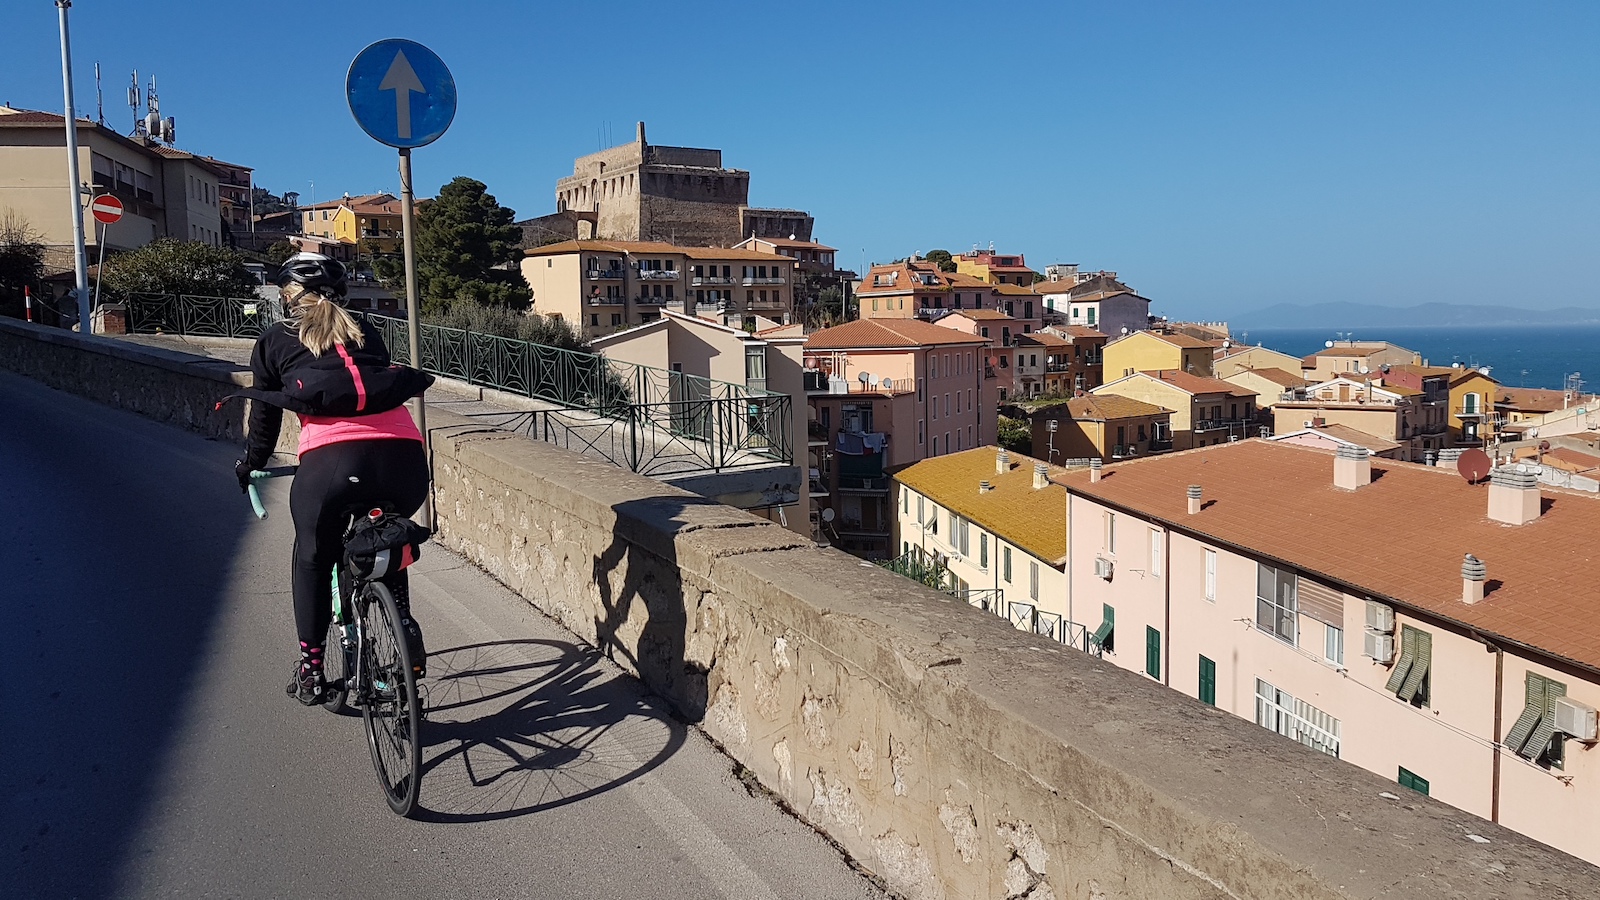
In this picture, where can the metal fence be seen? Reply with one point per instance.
(648, 420)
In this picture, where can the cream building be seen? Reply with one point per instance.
(1231, 359)
(604, 286)
(1204, 410)
(1143, 351)
(1464, 664)
(997, 522)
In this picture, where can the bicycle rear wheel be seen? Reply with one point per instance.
(338, 668)
(388, 693)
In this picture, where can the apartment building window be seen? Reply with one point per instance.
(963, 530)
(1105, 637)
(594, 320)
(919, 390)
(983, 550)
(1005, 564)
(1033, 581)
(1277, 602)
(1211, 575)
(921, 518)
(1296, 719)
(1409, 680)
(1155, 552)
(1152, 652)
(1111, 532)
(919, 432)
(947, 405)
(1208, 682)
(935, 450)
(1409, 779)
(1333, 645)
(1533, 736)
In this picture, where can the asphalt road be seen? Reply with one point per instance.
(148, 750)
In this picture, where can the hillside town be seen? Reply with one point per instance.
(1381, 558)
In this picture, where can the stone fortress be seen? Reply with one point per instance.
(679, 195)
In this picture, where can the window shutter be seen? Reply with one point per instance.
(1152, 652)
(1408, 658)
(1422, 651)
(1532, 713)
(1546, 729)
(1320, 602)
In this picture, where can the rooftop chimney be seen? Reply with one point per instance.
(1041, 475)
(1352, 467)
(1095, 464)
(1473, 574)
(985, 487)
(1194, 498)
(1002, 462)
(1513, 496)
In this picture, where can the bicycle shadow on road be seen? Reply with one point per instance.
(519, 726)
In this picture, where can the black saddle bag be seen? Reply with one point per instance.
(380, 547)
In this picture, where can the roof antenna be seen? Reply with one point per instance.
(99, 97)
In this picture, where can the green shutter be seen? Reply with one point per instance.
(1105, 635)
(1422, 654)
(1152, 652)
(1408, 658)
(1409, 779)
(1208, 681)
(1532, 713)
(1546, 729)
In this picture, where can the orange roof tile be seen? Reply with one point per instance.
(1198, 384)
(1179, 339)
(1278, 501)
(873, 333)
(1105, 407)
(985, 315)
(1276, 376)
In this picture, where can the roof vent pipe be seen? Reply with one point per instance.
(1194, 498)
(1352, 467)
(1513, 496)
(984, 486)
(1002, 462)
(1041, 475)
(1473, 574)
(1095, 465)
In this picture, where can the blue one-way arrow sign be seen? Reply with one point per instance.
(401, 93)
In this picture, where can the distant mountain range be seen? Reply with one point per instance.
(1428, 315)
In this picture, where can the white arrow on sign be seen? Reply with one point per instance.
(402, 79)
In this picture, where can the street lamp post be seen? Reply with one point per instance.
(79, 257)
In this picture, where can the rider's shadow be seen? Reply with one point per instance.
(515, 727)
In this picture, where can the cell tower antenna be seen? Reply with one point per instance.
(99, 97)
(134, 102)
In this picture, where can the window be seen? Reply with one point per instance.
(1534, 736)
(965, 538)
(1277, 602)
(1152, 652)
(919, 432)
(1105, 637)
(935, 451)
(1155, 553)
(921, 516)
(919, 390)
(905, 499)
(1278, 711)
(1033, 581)
(594, 320)
(1333, 645)
(983, 550)
(1409, 779)
(1111, 532)
(1208, 681)
(1005, 564)
(1409, 680)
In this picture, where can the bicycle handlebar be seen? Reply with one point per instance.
(262, 475)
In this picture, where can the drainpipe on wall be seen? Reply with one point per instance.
(1069, 571)
(1166, 627)
(1494, 774)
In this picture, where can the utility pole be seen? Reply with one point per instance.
(79, 258)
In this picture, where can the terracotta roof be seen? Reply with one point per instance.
(872, 333)
(797, 244)
(1105, 407)
(1178, 339)
(347, 201)
(1422, 371)
(983, 315)
(1033, 519)
(1278, 500)
(1346, 434)
(1564, 458)
(641, 247)
(1014, 290)
(1044, 339)
(1081, 331)
(1533, 399)
(1197, 384)
(1276, 376)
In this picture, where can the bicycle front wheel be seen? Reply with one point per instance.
(389, 706)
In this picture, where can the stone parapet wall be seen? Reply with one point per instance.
(951, 755)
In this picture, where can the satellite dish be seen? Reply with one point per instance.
(888, 384)
(1328, 344)
(873, 380)
(1363, 369)
(1544, 446)
(864, 377)
(1473, 465)
(827, 514)
(1124, 329)
(1227, 344)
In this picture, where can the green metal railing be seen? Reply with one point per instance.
(648, 420)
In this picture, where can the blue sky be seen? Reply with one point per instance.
(1220, 156)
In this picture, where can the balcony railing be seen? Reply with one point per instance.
(933, 313)
(1475, 412)
(861, 484)
(660, 274)
(1220, 424)
(1161, 446)
(1057, 367)
(762, 280)
(711, 279)
(603, 301)
(653, 301)
(1123, 451)
(603, 274)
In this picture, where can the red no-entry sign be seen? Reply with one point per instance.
(106, 208)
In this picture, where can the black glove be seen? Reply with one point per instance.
(242, 469)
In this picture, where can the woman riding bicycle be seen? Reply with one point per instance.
(358, 445)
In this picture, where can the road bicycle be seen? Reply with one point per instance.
(367, 664)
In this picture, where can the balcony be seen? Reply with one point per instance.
(750, 281)
(1058, 367)
(933, 313)
(660, 275)
(653, 301)
(1123, 451)
(603, 274)
(603, 301)
(710, 279)
(859, 484)
(1220, 425)
(1476, 412)
(769, 303)
(816, 433)
(1161, 446)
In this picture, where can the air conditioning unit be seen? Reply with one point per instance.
(1574, 718)
(1102, 568)
(1378, 646)
(1380, 617)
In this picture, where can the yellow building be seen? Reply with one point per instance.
(1238, 359)
(1107, 426)
(1204, 410)
(362, 226)
(996, 268)
(1472, 407)
(1147, 351)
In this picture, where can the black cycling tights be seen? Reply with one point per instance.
(335, 480)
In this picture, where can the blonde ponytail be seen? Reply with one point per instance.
(320, 324)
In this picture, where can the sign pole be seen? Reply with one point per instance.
(413, 329)
(79, 264)
(100, 266)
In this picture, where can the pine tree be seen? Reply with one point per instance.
(467, 250)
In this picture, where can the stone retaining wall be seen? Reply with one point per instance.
(949, 754)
